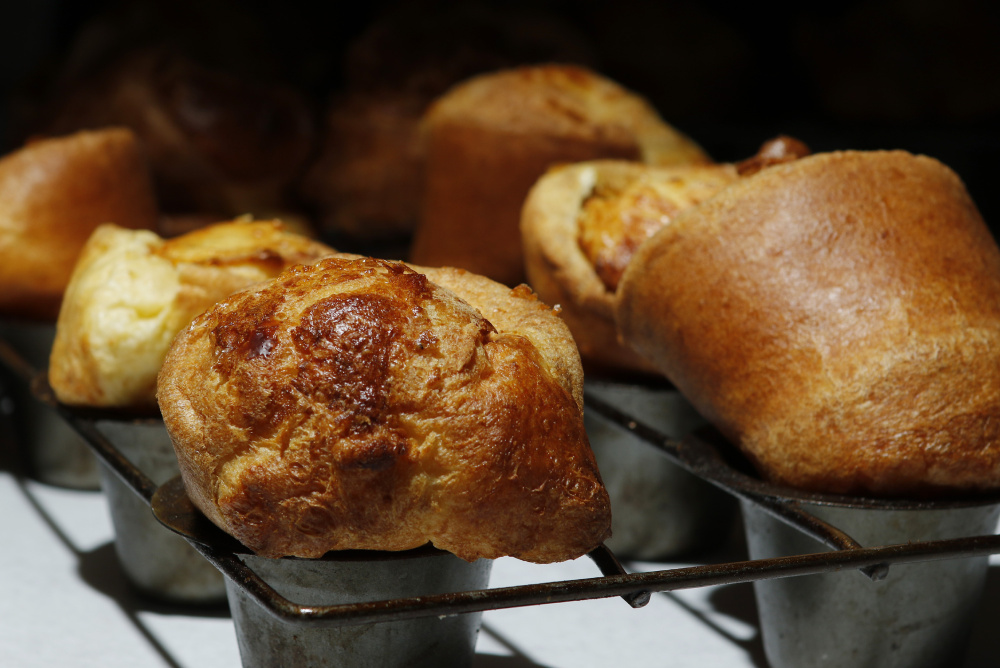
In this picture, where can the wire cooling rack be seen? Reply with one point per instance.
(703, 454)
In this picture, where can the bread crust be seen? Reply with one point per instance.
(357, 404)
(490, 138)
(618, 203)
(216, 142)
(367, 179)
(132, 291)
(53, 193)
(838, 318)
(518, 310)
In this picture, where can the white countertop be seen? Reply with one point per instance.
(65, 603)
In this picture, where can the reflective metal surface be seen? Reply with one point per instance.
(698, 454)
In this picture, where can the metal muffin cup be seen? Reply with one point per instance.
(918, 616)
(658, 510)
(52, 451)
(157, 562)
(266, 641)
(913, 614)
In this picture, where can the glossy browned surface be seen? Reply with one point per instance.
(489, 139)
(773, 152)
(356, 404)
(53, 194)
(838, 317)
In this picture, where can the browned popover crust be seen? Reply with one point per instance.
(838, 318)
(356, 404)
(367, 179)
(53, 193)
(580, 226)
(487, 140)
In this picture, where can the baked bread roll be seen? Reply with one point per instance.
(53, 193)
(367, 181)
(357, 404)
(490, 138)
(581, 224)
(217, 142)
(836, 317)
(131, 292)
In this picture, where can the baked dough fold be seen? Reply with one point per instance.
(580, 226)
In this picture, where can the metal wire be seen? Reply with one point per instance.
(223, 552)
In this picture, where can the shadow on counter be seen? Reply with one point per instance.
(984, 643)
(100, 569)
(516, 659)
(737, 601)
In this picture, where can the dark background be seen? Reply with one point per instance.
(917, 75)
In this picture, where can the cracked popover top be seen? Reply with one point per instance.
(365, 404)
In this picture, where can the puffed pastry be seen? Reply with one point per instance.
(217, 142)
(838, 318)
(366, 182)
(365, 404)
(582, 223)
(132, 291)
(53, 193)
(490, 138)
(580, 226)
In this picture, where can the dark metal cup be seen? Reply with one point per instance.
(53, 452)
(354, 577)
(658, 510)
(919, 616)
(157, 561)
